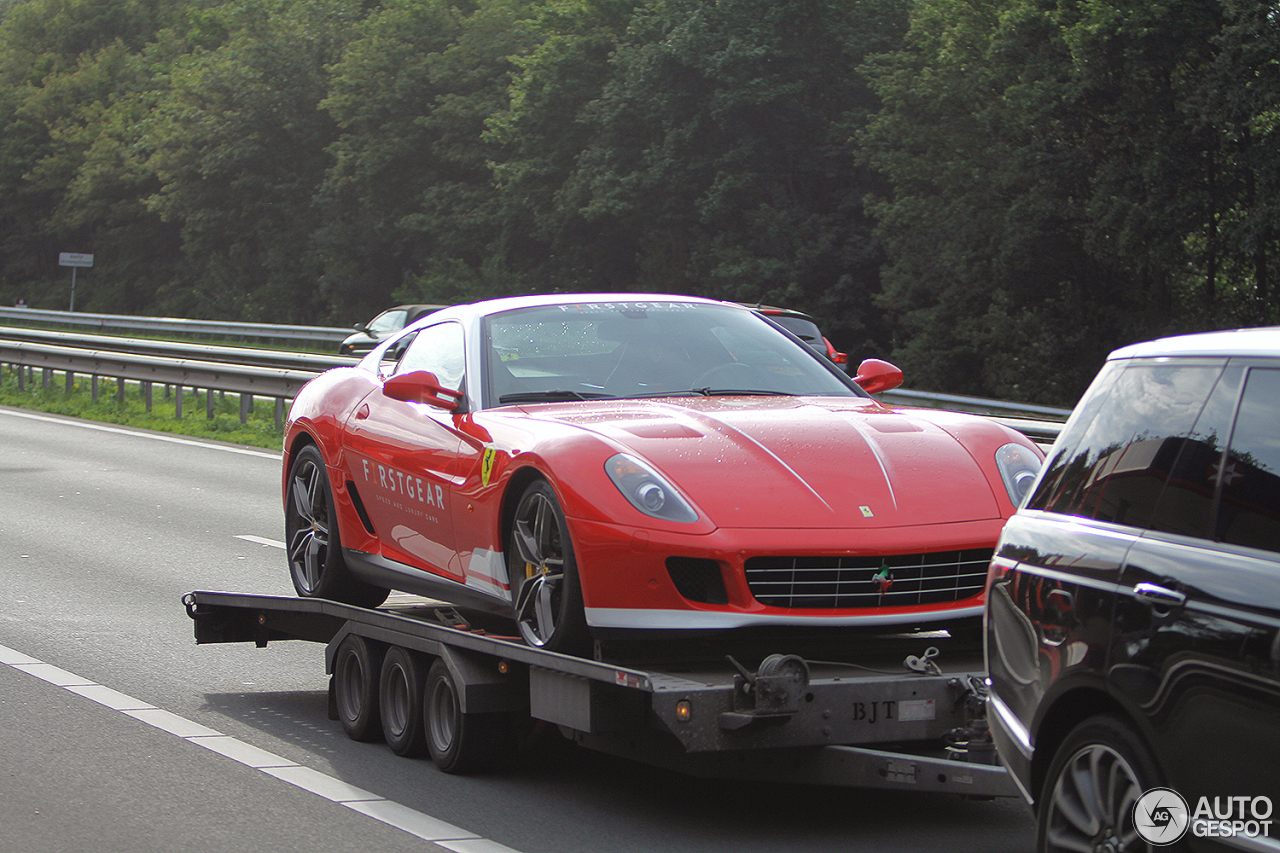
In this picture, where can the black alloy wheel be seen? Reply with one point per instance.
(311, 537)
(1096, 777)
(544, 574)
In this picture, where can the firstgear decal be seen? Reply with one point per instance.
(411, 486)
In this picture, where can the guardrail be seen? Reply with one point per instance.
(175, 326)
(1040, 423)
(314, 362)
(246, 380)
(254, 373)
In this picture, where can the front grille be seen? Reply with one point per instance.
(900, 580)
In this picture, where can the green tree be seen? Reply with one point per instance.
(722, 129)
(65, 65)
(410, 204)
(1054, 185)
(239, 149)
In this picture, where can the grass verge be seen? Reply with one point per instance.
(259, 430)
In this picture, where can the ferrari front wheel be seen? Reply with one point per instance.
(544, 574)
(311, 536)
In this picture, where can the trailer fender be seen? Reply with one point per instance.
(486, 684)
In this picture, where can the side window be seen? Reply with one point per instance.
(1186, 505)
(439, 350)
(389, 321)
(1249, 512)
(1121, 460)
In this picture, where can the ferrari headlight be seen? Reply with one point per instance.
(647, 490)
(1019, 467)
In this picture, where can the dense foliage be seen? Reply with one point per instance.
(992, 193)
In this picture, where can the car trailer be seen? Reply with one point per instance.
(415, 674)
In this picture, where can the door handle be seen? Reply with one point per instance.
(1158, 596)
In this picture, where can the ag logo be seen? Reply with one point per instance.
(486, 465)
(1161, 816)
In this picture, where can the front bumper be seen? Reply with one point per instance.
(627, 585)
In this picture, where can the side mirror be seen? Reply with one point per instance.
(422, 386)
(875, 376)
(835, 355)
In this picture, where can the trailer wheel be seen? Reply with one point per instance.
(400, 699)
(544, 574)
(458, 742)
(357, 669)
(311, 535)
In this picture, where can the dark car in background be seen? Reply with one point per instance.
(1133, 607)
(369, 335)
(804, 327)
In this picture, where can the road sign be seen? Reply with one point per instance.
(74, 259)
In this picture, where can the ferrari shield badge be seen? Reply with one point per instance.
(486, 465)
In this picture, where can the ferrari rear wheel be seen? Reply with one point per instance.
(311, 535)
(544, 574)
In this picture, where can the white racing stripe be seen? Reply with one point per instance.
(424, 826)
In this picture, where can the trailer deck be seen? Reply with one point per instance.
(902, 711)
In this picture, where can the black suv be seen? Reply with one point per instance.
(803, 327)
(1133, 608)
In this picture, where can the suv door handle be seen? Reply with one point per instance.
(1158, 596)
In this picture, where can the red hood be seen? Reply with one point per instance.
(761, 462)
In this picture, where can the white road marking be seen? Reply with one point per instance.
(171, 439)
(424, 826)
(258, 540)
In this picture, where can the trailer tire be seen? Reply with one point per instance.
(357, 671)
(458, 742)
(400, 694)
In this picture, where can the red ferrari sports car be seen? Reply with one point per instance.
(627, 465)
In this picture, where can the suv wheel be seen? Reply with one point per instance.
(1097, 775)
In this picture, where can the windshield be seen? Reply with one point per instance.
(646, 349)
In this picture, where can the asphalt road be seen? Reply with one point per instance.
(118, 733)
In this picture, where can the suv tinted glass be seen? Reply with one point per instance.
(1186, 506)
(1249, 513)
(1116, 468)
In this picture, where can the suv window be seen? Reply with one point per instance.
(1116, 467)
(1249, 513)
(1186, 506)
